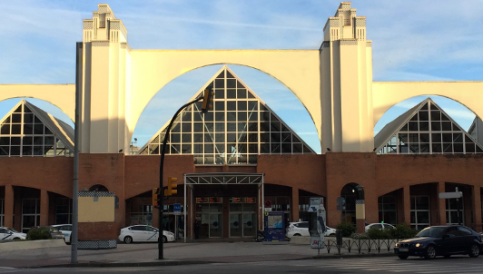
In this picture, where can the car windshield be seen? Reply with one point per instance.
(434, 232)
(13, 230)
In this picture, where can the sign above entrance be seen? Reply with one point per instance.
(268, 203)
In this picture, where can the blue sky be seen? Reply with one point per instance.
(430, 41)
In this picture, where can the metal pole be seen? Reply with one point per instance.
(263, 207)
(161, 167)
(459, 208)
(75, 186)
(184, 210)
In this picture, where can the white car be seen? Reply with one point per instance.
(302, 229)
(66, 230)
(144, 233)
(378, 226)
(9, 234)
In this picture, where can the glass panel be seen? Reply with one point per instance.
(235, 224)
(219, 93)
(216, 225)
(231, 93)
(242, 93)
(249, 224)
(231, 83)
(436, 126)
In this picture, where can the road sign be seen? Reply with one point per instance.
(268, 203)
(450, 195)
(177, 209)
(340, 201)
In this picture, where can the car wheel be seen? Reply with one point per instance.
(474, 251)
(403, 257)
(127, 239)
(447, 256)
(165, 240)
(430, 253)
(332, 234)
(16, 238)
(297, 235)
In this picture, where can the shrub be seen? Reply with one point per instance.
(403, 231)
(375, 233)
(41, 233)
(346, 228)
(359, 236)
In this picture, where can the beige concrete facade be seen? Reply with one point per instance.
(334, 82)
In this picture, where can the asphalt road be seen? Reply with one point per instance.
(456, 264)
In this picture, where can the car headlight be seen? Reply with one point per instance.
(419, 245)
(396, 245)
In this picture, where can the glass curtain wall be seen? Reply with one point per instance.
(238, 128)
(22, 134)
(452, 211)
(30, 213)
(431, 131)
(2, 211)
(420, 212)
(387, 209)
(63, 211)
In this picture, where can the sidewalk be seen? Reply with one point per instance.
(174, 254)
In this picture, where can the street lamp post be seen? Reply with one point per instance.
(206, 105)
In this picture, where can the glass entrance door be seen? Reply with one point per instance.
(236, 227)
(210, 212)
(243, 217)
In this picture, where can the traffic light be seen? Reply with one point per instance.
(155, 197)
(172, 187)
(207, 100)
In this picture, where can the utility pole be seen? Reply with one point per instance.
(75, 185)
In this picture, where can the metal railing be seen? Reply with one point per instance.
(360, 245)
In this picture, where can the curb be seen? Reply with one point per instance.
(187, 262)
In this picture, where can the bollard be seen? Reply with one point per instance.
(338, 235)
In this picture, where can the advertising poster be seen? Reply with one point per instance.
(318, 210)
(274, 226)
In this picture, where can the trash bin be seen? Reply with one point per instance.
(338, 236)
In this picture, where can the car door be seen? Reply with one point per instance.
(449, 243)
(466, 238)
(152, 234)
(138, 233)
(4, 234)
(303, 229)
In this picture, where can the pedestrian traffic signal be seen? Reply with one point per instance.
(207, 100)
(172, 187)
(155, 197)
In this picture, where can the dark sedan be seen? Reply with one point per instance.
(445, 240)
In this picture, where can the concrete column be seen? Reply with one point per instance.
(360, 216)
(407, 205)
(442, 204)
(295, 204)
(44, 207)
(8, 209)
(477, 209)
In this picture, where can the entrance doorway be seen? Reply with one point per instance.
(209, 210)
(243, 216)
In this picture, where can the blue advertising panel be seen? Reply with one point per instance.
(274, 226)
